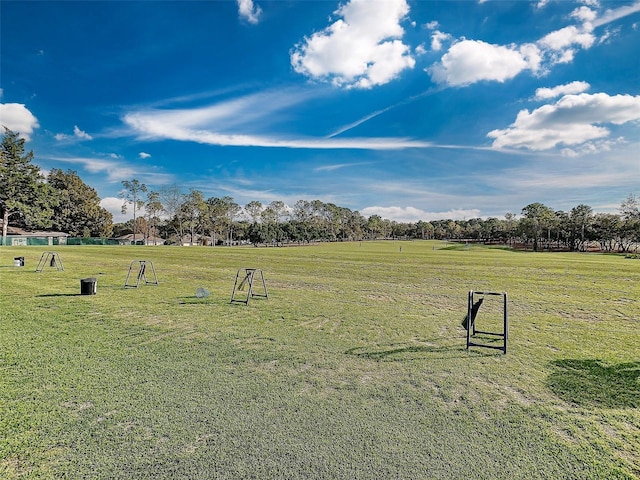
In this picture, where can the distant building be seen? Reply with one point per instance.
(19, 237)
(139, 239)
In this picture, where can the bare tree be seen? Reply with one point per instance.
(172, 200)
(131, 195)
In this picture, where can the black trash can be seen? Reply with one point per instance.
(88, 286)
(18, 261)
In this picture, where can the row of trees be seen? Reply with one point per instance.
(62, 201)
(172, 214)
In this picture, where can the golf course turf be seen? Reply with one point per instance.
(355, 367)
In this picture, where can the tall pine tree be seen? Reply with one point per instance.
(25, 198)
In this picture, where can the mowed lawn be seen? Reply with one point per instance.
(355, 367)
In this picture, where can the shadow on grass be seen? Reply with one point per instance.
(595, 383)
(210, 300)
(61, 295)
(414, 352)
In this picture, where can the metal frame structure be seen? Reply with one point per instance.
(247, 279)
(54, 260)
(142, 274)
(472, 310)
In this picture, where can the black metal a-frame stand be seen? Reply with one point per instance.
(142, 274)
(473, 306)
(247, 278)
(52, 259)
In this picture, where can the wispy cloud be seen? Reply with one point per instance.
(338, 166)
(614, 14)
(360, 121)
(413, 214)
(377, 113)
(241, 121)
(114, 170)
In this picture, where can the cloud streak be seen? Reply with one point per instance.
(240, 122)
(413, 214)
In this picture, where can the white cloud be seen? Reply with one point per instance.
(114, 206)
(572, 120)
(1, 93)
(471, 61)
(77, 134)
(560, 90)
(432, 25)
(412, 214)
(567, 37)
(584, 14)
(144, 155)
(81, 134)
(360, 50)
(248, 11)
(17, 118)
(437, 38)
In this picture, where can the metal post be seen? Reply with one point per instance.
(506, 323)
(469, 305)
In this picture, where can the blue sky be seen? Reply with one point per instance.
(412, 110)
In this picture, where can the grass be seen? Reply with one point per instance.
(355, 367)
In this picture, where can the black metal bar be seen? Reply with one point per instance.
(506, 324)
(249, 275)
(495, 347)
(471, 327)
(142, 274)
(469, 303)
(490, 333)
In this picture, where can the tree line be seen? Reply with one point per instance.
(62, 201)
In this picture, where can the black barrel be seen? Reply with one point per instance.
(88, 286)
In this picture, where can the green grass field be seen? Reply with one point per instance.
(355, 367)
